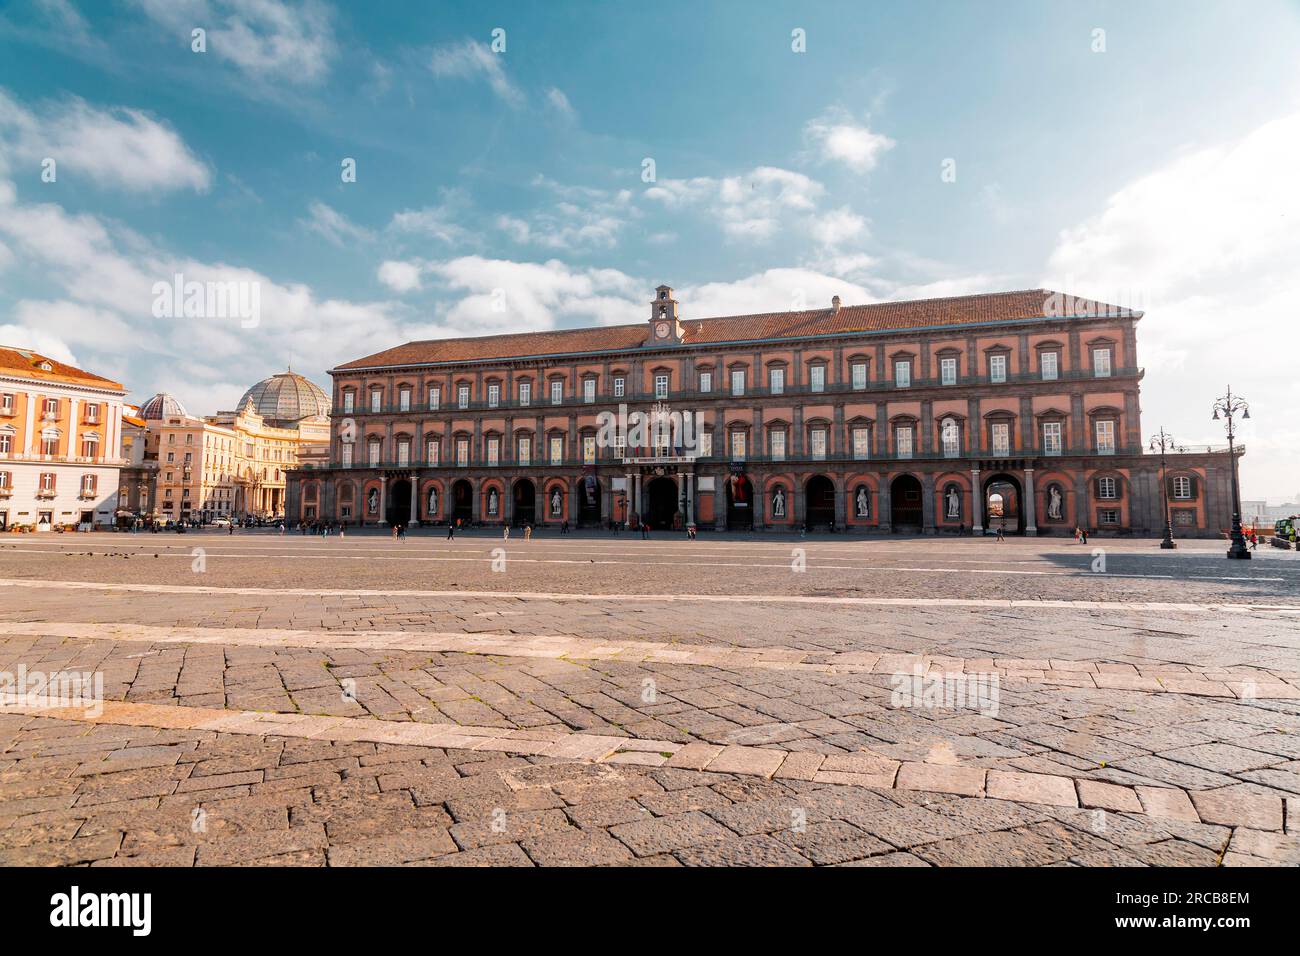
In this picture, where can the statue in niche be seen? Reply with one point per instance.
(778, 503)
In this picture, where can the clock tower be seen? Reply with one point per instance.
(665, 326)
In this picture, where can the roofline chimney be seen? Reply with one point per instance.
(835, 303)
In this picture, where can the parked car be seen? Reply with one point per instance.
(221, 522)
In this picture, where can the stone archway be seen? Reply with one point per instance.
(906, 509)
(1003, 504)
(462, 501)
(661, 494)
(819, 503)
(740, 502)
(397, 509)
(525, 503)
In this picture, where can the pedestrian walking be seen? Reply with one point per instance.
(505, 535)
(1083, 532)
(1001, 536)
(451, 531)
(528, 532)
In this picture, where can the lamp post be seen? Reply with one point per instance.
(1164, 441)
(1230, 405)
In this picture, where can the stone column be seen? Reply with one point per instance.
(976, 503)
(927, 504)
(383, 495)
(415, 500)
(72, 429)
(1031, 504)
(690, 497)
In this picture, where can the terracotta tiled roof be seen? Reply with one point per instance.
(879, 316)
(25, 363)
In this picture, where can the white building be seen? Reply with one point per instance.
(60, 443)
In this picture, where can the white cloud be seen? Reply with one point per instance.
(434, 222)
(838, 226)
(268, 41)
(557, 101)
(117, 147)
(836, 137)
(1207, 244)
(471, 59)
(400, 276)
(501, 295)
(334, 226)
(750, 207)
(774, 290)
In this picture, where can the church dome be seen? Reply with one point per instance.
(163, 405)
(287, 397)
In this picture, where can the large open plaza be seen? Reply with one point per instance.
(285, 699)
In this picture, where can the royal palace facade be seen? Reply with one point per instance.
(1015, 410)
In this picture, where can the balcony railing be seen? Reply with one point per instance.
(875, 388)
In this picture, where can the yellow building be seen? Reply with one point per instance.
(232, 464)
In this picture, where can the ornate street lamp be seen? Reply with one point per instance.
(1162, 442)
(1230, 405)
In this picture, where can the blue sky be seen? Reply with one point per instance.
(1151, 164)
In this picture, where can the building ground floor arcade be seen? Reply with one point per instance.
(1125, 495)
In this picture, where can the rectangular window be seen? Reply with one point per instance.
(6, 403)
(376, 400)
(706, 382)
(776, 445)
(902, 374)
(738, 381)
(661, 386)
(525, 393)
(620, 386)
(462, 396)
(1101, 363)
(950, 438)
(859, 375)
(862, 443)
(817, 378)
(776, 381)
(525, 451)
(373, 450)
(589, 390)
(349, 399)
(494, 395)
(588, 449)
(738, 446)
(462, 452)
(1108, 516)
(1001, 432)
(346, 451)
(435, 397)
(404, 399)
(997, 368)
(947, 371)
(1048, 363)
(493, 452)
(818, 441)
(1183, 488)
(903, 441)
(403, 454)
(51, 407)
(1051, 438)
(706, 444)
(557, 451)
(557, 392)
(433, 452)
(1105, 437)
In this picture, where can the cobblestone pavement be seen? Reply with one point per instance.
(599, 700)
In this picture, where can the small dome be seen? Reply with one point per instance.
(163, 405)
(287, 397)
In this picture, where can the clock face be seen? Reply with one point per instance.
(661, 330)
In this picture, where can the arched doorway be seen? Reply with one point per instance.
(740, 502)
(661, 496)
(525, 503)
(905, 508)
(397, 510)
(1003, 504)
(589, 500)
(819, 503)
(462, 501)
